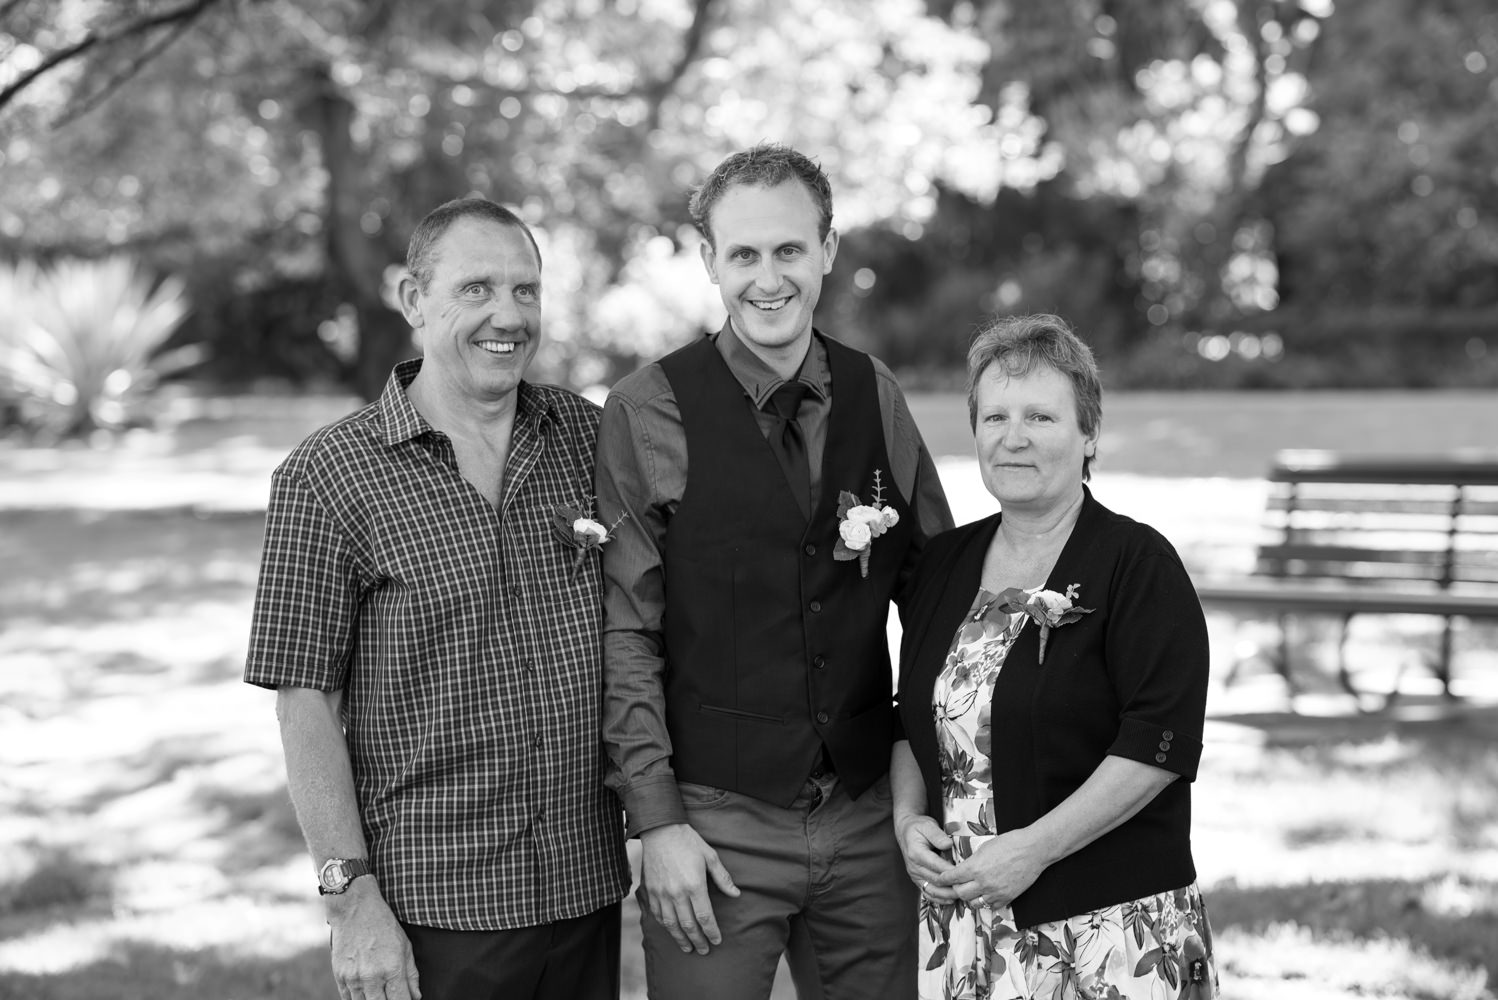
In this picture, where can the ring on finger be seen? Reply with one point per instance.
(979, 903)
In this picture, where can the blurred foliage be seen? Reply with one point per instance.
(1163, 172)
(81, 342)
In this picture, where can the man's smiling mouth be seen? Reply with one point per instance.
(770, 305)
(498, 346)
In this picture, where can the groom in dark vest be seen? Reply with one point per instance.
(747, 691)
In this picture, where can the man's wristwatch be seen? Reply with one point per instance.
(336, 873)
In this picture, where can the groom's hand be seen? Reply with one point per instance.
(677, 863)
(372, 957)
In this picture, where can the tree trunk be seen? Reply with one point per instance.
(356, 261)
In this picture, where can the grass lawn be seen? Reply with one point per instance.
(147, 848)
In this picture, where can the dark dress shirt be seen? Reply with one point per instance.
(467, 650)
(1127, 680)
(642, 470)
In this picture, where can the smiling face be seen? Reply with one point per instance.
(1030, 445)
(479, 318)
(768, 259)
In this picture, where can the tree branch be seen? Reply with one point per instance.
(84, 105)
(184, 14)
(658, 91)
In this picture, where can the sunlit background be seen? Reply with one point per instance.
(1276, 221)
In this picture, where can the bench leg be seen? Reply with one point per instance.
(1344, 676)
(1442, 667)
(1282, 662)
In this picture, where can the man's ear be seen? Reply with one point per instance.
(709, 260)
(409, 293)
(829, 251)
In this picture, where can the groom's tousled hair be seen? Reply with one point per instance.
(768, 164)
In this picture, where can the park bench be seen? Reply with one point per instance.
(1348, 535)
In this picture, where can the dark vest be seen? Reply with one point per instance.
(773, 648)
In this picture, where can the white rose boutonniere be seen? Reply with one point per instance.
(577, 529)
(1048, 608)
(860, 523)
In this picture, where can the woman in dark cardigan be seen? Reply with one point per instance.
(1053, 681)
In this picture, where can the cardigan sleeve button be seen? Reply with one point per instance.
(1160, 758)
(1164, 744)
(1167, 735)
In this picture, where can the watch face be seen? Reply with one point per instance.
(333, 876)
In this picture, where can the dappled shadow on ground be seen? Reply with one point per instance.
(256, 827)
(149, 971)
(69, 565)
(1443, 931)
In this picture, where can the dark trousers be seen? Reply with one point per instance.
(821, 881)
(575, 959)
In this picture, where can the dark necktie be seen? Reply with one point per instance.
(788, 442)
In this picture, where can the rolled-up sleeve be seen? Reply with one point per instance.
(1158, 662)
(634, 701)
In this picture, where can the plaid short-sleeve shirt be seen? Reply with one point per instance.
(468, 650)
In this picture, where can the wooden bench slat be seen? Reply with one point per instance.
(1478, 468)
(1435, 507)
(1314, 553)
(1290, 596)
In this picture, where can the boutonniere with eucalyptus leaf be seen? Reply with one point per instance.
(577, 528)
(860, 523)
(1048, 608)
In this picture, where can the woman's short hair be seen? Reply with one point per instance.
(1017, 344)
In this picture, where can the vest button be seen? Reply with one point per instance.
(816, 606)
(811, 550)
(823, 718)
(819, 661)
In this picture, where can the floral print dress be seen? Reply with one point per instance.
(1159, 947)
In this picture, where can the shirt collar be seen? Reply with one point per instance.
(757, 378)
(400, 422)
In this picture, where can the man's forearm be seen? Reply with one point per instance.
(367, 943)
(907, 788)
(319, 774)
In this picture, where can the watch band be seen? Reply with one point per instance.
(336, 873)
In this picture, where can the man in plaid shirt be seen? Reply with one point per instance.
(430, 622)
